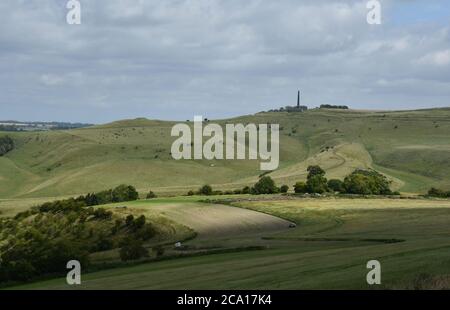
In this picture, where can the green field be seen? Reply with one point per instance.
(60, 163)
(329, 248)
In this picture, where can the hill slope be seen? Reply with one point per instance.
(411, 147)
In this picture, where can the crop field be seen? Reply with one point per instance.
(333, 240)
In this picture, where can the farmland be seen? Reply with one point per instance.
(328, 249)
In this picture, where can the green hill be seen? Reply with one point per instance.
(411, 147)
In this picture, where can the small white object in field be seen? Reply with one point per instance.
(178, 245)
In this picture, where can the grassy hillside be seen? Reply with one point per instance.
(411, 147)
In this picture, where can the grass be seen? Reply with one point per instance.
(61, 163)
(328, 249)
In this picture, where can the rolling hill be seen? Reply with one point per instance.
(411, 147)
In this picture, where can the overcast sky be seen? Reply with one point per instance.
(173, 59)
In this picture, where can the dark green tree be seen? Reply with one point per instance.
(265, 185)
(206, 190)
(284, 189)
(336, 185)
(300, 188)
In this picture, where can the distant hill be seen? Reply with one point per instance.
(411, 147)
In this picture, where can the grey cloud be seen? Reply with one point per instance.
(173, 58)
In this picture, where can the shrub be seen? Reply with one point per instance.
(151, 195)
(124, 193)
(205, 190)
(129, 220)
(336, 185)
(284, 189)
(246, 190)
(191, 193)
(435, 192)
(300, 188)
(158, 250)
(132, 249)
(265, 185)
(102, 214)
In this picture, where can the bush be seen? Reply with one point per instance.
(124, 193)
(102, 214)
(265, 185)
(367, 182)
(300, 188)
(284, 189)
(132, 249)
(151, 195)
(158, 250)
(434, 192)
(206, 190)
(246, 190)
(191, 193)
(336, 185)
(129, 220)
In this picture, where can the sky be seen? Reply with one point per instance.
(173, 59)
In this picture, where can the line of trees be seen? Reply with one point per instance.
(435, 192)
(360, 181)
(329, 106)
(265, 185)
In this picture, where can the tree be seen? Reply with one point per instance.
(316, 181)
(206, 190)
(300, 188)
(367, 182)
(124, 193)
(317, 184)
(284, 189)
(315, 170)
(265, 185)
(336, 185)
